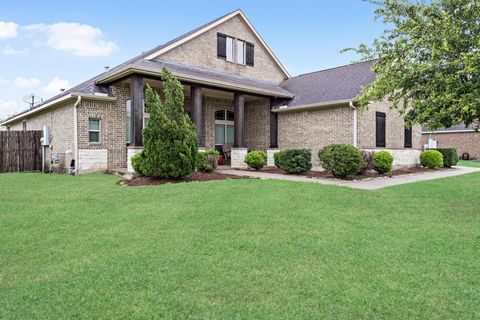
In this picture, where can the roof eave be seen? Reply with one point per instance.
(313, 106)
(186, 78)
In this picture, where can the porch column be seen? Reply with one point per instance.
(239, 120)
(136, 96)
(197, 112)
(273, 126)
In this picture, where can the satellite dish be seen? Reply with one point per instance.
(32, 100)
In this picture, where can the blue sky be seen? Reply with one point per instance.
(48, 45)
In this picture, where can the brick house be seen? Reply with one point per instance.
(236, 91)
(465, 138)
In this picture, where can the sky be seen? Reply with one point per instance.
(49, 45)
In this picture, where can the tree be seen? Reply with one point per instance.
(427, 61)
(169, 138)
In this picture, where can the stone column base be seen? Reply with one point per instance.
(402, 157)
(131, 151)
(270, 159)
(238, 158)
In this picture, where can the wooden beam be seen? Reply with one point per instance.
(136, 94)
(273, 126)
(239, 120)
(197, 112)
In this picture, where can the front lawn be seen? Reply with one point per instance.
(469, 163)
(84, 247)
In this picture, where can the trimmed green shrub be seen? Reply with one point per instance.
(450, 156)
(367, 163)
(137, 162)
(382, 161)
(169, 138)
(340, 159)
(293, 160)
(256, 159)
(431, 159)
(207, 160)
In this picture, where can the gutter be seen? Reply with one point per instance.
(312, 106)
(355, 123)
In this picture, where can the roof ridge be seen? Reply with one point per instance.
(333, 68)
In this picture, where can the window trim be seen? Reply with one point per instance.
(224, 123)
(99, 130)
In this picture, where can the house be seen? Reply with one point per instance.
(465, 138)
(236, 91)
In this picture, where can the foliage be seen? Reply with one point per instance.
(137, 162)
(169, 138)
(431, 159)
(427, 61)
(367, 163)
(293, 160)
(341, 160)
(256, 159)
(207, 160)
(450, 156)
(382, 161)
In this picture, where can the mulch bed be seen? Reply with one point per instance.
(366, 175)
(196, 176)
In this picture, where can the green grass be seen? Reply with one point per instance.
(83, 247)
(469, 163)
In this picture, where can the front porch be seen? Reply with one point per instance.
(240, 119)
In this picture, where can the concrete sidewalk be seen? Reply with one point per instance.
(367, 184)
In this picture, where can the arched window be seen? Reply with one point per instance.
(223, 127)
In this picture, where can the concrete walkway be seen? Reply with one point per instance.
(367, 184)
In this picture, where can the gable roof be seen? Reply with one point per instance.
(194, 33)
(330, 86)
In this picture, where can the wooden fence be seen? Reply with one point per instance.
(20, 151)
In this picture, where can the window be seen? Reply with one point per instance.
(94, 130)
(240, 52)
(229, 48)
(224, 127)
(235, 50)
(380, 129)
(408, 138)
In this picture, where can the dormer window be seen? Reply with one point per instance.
(235, 50)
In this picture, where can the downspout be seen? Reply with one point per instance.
(75, 132)
(355, 122)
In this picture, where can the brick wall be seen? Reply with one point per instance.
(315, 129)
(468, 141)
(202, 51)
(210, 106)
(257, 124)
(394, 128)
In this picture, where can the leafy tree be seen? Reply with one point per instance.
(427, 61)
(169, 138)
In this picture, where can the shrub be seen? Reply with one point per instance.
(169, 138)
(450, 156)
(382, 161)
(340, 159)
(431, 159)
(137, 162)
(367, 163)
(294, 160)
(207, 160)
(256, 159)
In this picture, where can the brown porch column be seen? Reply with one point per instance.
(136, 96)
(239, 120)
(273, 126)
(197, 112)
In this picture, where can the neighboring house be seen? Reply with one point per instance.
(465, 139)
(236, 91)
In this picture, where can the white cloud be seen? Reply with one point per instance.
(8, 29)
(7, 108)
(9, 51)
(56, 84)
(20, 82)
(81, 40)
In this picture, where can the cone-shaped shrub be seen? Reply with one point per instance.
(169, 138)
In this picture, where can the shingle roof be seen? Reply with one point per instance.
(340, 83)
